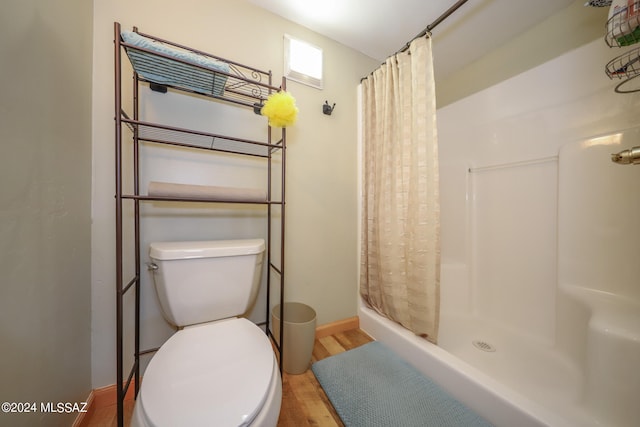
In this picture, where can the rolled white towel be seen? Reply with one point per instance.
(209, 192)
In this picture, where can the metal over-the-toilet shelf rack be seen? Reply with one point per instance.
(166, 65)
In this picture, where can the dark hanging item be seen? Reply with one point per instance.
(157, 87)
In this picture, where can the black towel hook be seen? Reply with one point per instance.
(328, 109)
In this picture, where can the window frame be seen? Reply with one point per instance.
(298, 76)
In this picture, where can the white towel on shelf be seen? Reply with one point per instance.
(209, 192)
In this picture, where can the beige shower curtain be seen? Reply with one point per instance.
(400, 259)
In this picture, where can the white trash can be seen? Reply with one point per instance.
(299, 335)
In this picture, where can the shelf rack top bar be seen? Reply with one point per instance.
(204, 53)
(170, 64)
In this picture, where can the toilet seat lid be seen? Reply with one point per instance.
(214, 374)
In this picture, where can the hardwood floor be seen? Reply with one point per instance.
(304, 403)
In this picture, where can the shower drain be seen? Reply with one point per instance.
(483, 345)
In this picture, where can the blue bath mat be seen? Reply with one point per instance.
(370, 386)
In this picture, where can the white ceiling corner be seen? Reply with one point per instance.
(380, 28)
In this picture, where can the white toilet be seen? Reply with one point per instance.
(218, 369)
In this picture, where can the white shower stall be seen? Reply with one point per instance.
(540, 284)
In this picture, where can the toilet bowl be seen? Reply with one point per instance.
(218, 369)
(222, 373)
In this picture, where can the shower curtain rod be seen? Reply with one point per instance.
(427, 30)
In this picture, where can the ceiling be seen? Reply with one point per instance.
(475, 29)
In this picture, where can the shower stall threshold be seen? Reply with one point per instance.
(520, 382)
(531, 368)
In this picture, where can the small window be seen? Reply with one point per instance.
(302, 62)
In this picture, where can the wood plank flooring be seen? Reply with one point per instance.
(304, 403)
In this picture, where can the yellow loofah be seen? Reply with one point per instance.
(280, 108)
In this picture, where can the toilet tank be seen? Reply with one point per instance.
(202, 281)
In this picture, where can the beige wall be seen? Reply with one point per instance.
(321, 175)
(45, 201)
(568, 29)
